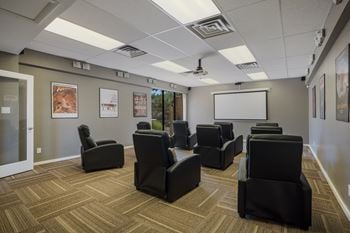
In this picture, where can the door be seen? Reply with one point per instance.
(16, 123)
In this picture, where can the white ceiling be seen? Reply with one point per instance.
(280, 34)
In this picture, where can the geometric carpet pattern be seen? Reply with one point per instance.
(60, 197)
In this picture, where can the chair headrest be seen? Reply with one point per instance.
(222, 123)
(277, 137)
(267, 124)
(84, 130)
(209, 135)
(266, 130)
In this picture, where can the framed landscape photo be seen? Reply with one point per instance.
(108, 103)
(64, 100)
(140, 104)
(323, 97)
(342, 85)
(314, 102)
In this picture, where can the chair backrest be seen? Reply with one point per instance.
(151, 148)
(265, 130)
(143, 125)
(181, 133)
(209, 136)
(275, 157)
(226, 130)
(86, 140)
(273, 124)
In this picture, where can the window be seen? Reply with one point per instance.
(167, 106)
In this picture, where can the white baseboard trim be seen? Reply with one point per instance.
(69, 157)
(331, 185)
(56, 160)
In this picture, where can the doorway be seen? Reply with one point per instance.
(16, 123)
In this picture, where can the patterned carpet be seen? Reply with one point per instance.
(60, 197)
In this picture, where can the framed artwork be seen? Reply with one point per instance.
(314, 102)
(64, 100)
(342, 85)
(323, 97)
(108, 103)
(140, 104)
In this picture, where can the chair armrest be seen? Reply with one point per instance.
(192, 140)
(307, 198)
(183, 176)
(103, 156)
(242, 170)
(238, 144)
(104, 142)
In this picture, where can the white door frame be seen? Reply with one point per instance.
(25, 165)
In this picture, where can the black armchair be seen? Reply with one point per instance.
(212, 149)
(143, 125)
(271, 124)
(182, 136)
(228, 135)
(266, 130)
(100, 154)
(157, 172)
(271, 184)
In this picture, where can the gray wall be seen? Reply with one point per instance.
(58, 137)
(330, 138)
(287, 105)
(8, 62)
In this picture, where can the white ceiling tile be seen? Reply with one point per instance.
(185, 40)
(225, 41)
(18, 31)
(258, 21)
(298, 62)
(86, 15)
(64, 43)
(30, 10)
(57, 51)
(267, 49)
(141, 14)
(228, 5)
(297, 73)
(300, 16)
(274, 64)
(301, 44)
(277, 74)
(114, 61)
(158, 48)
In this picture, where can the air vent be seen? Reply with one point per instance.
(211, 27)
(130, 51)
(250, 67)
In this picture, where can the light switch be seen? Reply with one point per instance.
(5, 110)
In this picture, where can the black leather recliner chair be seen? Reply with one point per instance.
(228, 135)
(182, 136)
(212, 149)
(266, 130)
(271, 184)
(100, 154)
(143, 125)
(271, 124)
(157, 172)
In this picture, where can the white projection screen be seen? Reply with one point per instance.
(250, 105)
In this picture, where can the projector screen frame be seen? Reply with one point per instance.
(240, 92)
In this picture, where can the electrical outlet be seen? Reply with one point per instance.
(349, 190)
(38, 150)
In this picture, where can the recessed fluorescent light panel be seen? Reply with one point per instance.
(187, 11)
(170, 66)
(73, 31)
(209, 81)
(258, 76)
(238, 55)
